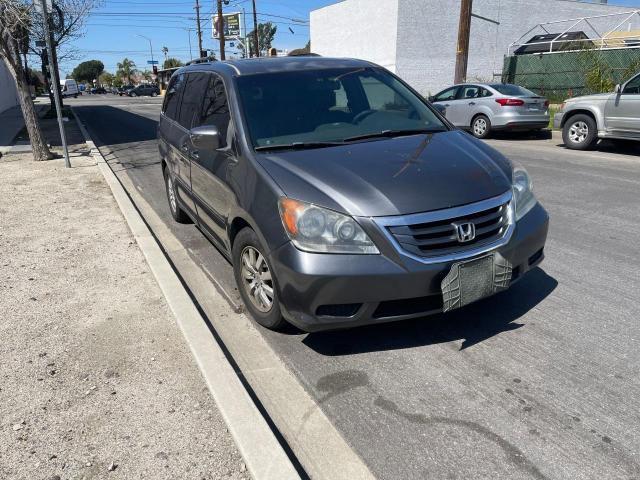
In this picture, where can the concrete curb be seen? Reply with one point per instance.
(264, 456)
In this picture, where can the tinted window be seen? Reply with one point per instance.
(468, 91)
(485, 93)
(194, 92)
(329, 105)
(215, 109)
(448, 94)
(633, 86)
(172, 97)
(513, 90)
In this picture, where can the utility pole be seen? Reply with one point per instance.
(198, 28)
(53, 72)
(462, 52)
(220, 21)
(255, 30)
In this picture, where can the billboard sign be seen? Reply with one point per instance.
(232, 25)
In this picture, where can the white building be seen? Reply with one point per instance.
(8, 93)
(417, 39)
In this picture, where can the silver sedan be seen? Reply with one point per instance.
(483, 108)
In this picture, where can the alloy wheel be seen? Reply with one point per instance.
(257, 280)
(172, 195)
(578, 132)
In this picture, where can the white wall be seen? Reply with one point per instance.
(365, 29)
(8, 94)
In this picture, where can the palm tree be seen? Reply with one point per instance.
(126, 68)
(165, 50)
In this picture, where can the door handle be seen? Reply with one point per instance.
(447, 105)
(472, 103)
(194, 154)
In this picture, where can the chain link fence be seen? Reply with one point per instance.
(561, 75)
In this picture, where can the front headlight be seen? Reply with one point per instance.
(316, 229)
(522, 191)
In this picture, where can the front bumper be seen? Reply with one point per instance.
(323, 291)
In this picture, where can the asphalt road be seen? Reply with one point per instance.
(541, 382)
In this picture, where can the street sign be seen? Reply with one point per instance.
(232, 25)
(152, 62)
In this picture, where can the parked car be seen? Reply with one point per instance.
(483, 108)
(98, 91)
(144, 90)
(616, 115)
(124, 90)
(341, 196)
(69, 88)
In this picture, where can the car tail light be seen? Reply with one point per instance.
(510, 102)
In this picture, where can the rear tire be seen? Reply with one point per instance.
(256, 280)
(172, 196)
(580, 132)
(481, 126)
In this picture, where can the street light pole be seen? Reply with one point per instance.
(53, 72)
(150, 45)
(255, 30)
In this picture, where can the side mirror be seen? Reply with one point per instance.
(440, 108)
(206, 137)
(431, 98)
(618, 89)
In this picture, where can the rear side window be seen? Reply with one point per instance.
(215, 108)
(172, 98)
(468, 91)
(194, 92)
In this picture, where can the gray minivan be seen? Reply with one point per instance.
(340, 196)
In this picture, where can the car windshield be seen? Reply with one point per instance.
(330, 105)
(513, 90)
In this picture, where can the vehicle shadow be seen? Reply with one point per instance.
(472, 324)
(620, 147)
(545, 134)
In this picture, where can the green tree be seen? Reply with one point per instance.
(171, 63)
(266, 32)
(126, 69)
(106, 79)
(88, 71)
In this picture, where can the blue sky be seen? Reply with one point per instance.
(111, 30)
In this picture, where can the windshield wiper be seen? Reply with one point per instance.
(394, 133)
(298, 146)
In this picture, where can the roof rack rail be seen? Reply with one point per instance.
(210, 58)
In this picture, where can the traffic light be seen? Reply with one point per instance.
(155, 69)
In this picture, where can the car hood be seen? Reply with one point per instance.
(393, 176)
(591, 98)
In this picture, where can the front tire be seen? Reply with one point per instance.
(481, 126)
(256, 280)
(174, 207)
(580, 132)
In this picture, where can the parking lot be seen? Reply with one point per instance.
(537, 382)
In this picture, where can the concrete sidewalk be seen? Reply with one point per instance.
(97, 381)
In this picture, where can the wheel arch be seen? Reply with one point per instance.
(578, 111)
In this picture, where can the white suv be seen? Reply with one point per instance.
(607, 115)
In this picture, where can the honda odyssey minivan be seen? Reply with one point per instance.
(340, 196)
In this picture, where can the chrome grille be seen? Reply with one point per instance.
(433, 234)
